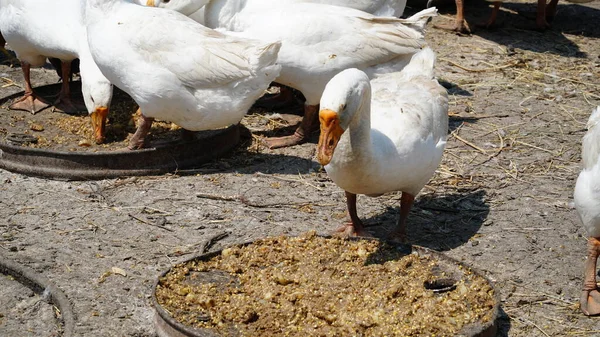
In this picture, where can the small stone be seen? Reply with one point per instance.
(85, 142)
(36, 127)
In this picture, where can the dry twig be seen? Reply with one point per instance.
(150, 223)
(512, 64)
(245, 201)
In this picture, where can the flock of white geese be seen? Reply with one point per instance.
(367, 77)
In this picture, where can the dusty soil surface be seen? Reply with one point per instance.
(501, 200)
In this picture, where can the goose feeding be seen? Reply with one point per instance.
(185, 73)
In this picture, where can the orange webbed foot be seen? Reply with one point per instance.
(461, 27)
(349, 230)
(590, 302)
(279, 142)
(31, 103)
(66, 105)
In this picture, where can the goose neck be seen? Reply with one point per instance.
(359, 128)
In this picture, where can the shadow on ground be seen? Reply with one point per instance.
(437, 222)
(244, 160)
(516, 25)
(503, 323)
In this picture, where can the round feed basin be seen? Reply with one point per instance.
(452, 277)
(53, 144)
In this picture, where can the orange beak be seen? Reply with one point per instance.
(99, 123)
(331, 132)
(150, 3)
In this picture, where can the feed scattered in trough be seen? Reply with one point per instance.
(55, 130)
(310, 285)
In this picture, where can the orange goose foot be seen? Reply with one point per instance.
(29, 102)
(309, 123)
(350, 230)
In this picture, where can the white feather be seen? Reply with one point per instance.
(396, 124)
(587, 188)
(33, 31)
(184, 73)
(318, 41)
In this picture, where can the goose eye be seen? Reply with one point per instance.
(166, 1)
(343, 107)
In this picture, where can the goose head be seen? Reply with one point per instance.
(97, 97)
(345, 94)
(97, 94)
(185, 7)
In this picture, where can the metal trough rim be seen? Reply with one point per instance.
(170, 157)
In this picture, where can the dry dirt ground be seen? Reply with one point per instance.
(500, 201)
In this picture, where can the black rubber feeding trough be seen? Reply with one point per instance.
(48, 291)
(56, 145)
(316, 290)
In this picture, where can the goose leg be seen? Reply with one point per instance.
(309, 123)
(590, 297)
(139, 137)
(406, 203)
(355, 227)
(545, 14)
(492, 19)
(551, 10)
(460, 25)
(64, 102)
(30, 101)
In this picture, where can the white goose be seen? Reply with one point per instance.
(31, 29)
(587, 202)
(318, 41)
(383, 135)
(376, 7)
(185, 73)
(193, 8)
